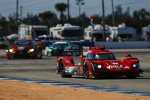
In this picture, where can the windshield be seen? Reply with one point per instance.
(60, 45)
(72, 33)
(23, 43)
(105, 56)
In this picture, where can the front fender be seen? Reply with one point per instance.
(67, 60)
(89, 65)
(130, 61)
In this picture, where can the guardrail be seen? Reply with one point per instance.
(125, 45)
(134, 46)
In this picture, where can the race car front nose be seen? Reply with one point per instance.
(114, 67)
(99, 66)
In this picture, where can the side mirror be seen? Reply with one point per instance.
(128, 55)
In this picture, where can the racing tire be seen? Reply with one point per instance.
(10, 57)
(39, 55)
(64, 75)
(62, 71)
(96, 77)
(86, 72)
(52, 53)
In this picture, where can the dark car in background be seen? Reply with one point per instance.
(24, 48)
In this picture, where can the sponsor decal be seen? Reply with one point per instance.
(126, 67)
(115, 66)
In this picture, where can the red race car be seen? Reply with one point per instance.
(96, 62)
(24, 48)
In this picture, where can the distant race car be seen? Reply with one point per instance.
(57, 48)
(97, 62)
(47, 40)
(24, 48)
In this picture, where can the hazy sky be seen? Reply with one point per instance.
(90, 7)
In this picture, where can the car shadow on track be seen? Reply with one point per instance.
(112, 78)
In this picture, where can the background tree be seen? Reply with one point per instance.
(97, 19)
(12, 24)
(48, 18)
(143, 16)
(76, 20)
(61, 7)
(3, 26)
(31, 19)
(137, 19)
(79, 3)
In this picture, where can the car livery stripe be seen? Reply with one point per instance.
(99, 88)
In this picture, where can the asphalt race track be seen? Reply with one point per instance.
(44, 69)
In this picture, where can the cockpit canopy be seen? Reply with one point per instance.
(102, 56)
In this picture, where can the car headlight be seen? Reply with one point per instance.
(11, 50)
(31, 50)
(136, 65)
(97, 65)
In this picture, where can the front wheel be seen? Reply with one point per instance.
(64, 75)
(39, 55)
(52, 53)
(10, 57)
(61, 70)
(86, 72)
